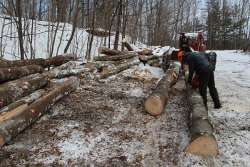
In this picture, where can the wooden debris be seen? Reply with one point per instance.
(15, 121)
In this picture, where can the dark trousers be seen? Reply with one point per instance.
(206, 79)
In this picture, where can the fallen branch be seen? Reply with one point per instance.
(15, 121)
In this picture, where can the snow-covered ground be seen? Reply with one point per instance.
(42, 44)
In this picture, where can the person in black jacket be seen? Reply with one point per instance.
(199, 64)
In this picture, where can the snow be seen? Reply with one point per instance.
(10, 49)
(159, 51)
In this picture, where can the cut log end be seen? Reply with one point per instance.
(2, 141)
(155, 105)
(203, 146)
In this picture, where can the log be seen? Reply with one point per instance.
(128, 46)
(156, 102)
(109, 52)
(15, 90)
(118, 69)
(59, 60)
(99, 32)
(54, 61)
(153, 62)
(25, 100)
(17, 120)
(145, 52)
(116, 57)
(203, 142)
(8, 74)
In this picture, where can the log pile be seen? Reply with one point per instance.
(16, 120)
(26, 90)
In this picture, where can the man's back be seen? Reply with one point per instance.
(198, 62)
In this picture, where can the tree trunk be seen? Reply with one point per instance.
(14, 90)
(115, 58)
(8, 74)
(15, 121)
(118, 69)
(203, 142)
(54, 61)
(25, 100)
(109, 52)
(156, 102)
(118, 26)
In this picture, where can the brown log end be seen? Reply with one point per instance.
(203, 146)
(155, 104)
(2, 141)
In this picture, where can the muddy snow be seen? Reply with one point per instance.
(104, 123)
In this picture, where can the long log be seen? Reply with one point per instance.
(118, 69)
(156, 102)
(203, 142)
(15, 121)
(54, 61)
(116, 57)
(8, 74)
(25, 100)
(15, 90)
(109, 52)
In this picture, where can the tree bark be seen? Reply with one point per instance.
(25, 100)
(14, 90)
(118, 69)
(8, 74)
(203, 142)
(54, 61)
(109, 52)
(17, 120)
(116, 57)
(128, 46)
(156, 102)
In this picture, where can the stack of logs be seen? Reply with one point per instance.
(27, 91)
(114, 61)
